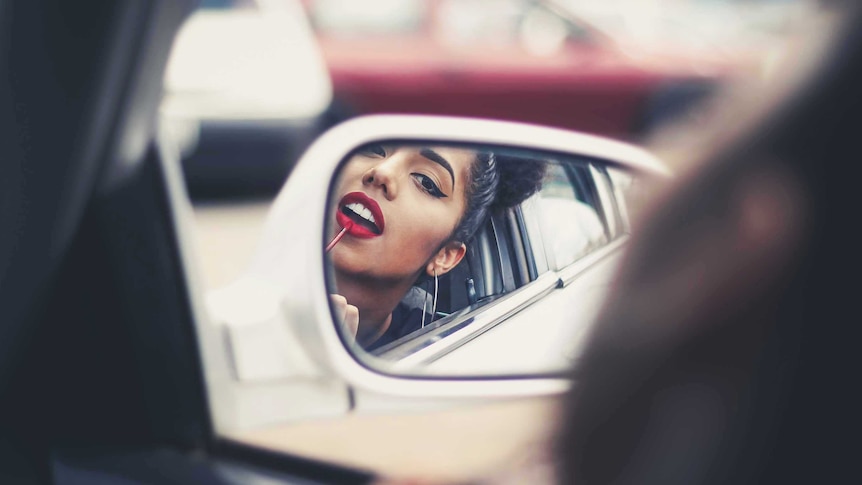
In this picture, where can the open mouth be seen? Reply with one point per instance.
(361, 215)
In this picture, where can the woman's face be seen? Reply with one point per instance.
(400, 203)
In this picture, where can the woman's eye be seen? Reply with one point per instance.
(373, 151)
(428, 185)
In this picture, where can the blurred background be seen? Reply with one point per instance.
(251, 83)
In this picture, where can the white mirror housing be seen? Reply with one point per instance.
(276, 318)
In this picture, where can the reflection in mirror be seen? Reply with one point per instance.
(456, 259)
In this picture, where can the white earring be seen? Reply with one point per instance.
(433, 302)
(434, 305)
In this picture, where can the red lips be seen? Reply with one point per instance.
(362, 214)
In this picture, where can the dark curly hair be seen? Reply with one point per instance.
(497, 182)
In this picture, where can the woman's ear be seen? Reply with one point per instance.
(446, 258)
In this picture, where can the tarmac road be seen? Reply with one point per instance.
(227, 235)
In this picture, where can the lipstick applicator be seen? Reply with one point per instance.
(338, 236)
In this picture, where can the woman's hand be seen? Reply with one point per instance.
(346, 314)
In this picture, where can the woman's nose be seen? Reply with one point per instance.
(383, 175)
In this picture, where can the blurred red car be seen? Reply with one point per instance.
(519, 60)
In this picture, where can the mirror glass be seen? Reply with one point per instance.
(454, 259)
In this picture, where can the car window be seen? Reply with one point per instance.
(569, 215)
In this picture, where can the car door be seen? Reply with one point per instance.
(99, 373)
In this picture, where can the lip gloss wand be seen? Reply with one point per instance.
(338, 236)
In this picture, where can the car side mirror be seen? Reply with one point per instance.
(343, 286)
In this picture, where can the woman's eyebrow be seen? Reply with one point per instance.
(435, 157)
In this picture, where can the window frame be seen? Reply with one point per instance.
(583, 182)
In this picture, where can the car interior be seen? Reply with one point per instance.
(101, 380)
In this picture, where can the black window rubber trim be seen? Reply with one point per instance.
(504, 255)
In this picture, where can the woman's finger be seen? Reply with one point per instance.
(346, 314)
(351, 319)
